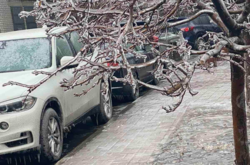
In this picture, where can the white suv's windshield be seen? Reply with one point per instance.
(25, 54)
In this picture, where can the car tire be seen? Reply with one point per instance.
(198, 43)
(155, 80)
(51, 137)
(118, 97)
(105, 110)
(133, 95)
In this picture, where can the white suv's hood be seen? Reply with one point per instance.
(10, 92)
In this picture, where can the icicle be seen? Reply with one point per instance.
(24, 160)
(15, 160)
(38, 157)
(30, 158)
(20, 159)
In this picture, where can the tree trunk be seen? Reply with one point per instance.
(239, 115)
(247, 82)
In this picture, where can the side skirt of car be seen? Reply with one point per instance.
(82, 118)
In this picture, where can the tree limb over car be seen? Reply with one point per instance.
(99, 24)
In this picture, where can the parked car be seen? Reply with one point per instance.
(37, 123)
(194, 29)
(144, 74)
(167, 37)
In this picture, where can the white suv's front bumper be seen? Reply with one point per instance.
(23, 131)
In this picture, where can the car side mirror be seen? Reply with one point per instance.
(64, 60)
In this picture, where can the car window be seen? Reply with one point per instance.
(74, 39)
(144, 49)
(130, 57)
(196, 21)
(204, 19)
(63, 49)
(147, 48)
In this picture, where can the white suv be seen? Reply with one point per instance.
(37, 123)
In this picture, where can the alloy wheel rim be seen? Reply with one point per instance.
(137, 92)
(54, 136)
(107, 105)
(201, 45)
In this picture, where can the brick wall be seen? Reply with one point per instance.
(6, 23)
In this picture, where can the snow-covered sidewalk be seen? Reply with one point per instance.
(198, 132)
(205, 134)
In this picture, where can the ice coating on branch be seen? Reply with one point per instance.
(116, 30)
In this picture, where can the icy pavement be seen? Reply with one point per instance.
(205, 134)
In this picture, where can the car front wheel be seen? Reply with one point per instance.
(200, 44)
(51, 137)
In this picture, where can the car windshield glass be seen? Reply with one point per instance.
(25, 54)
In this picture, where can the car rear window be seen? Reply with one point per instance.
(196, 21)
(204, 19)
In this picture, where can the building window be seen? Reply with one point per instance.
(24, 23)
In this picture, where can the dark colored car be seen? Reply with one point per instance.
(143, 73)
(194, 29)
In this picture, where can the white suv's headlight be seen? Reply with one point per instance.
(18, 104)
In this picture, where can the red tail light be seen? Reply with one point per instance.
(155, 38)
(186, 29)
(112, 64)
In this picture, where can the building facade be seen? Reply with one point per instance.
(9, 19)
